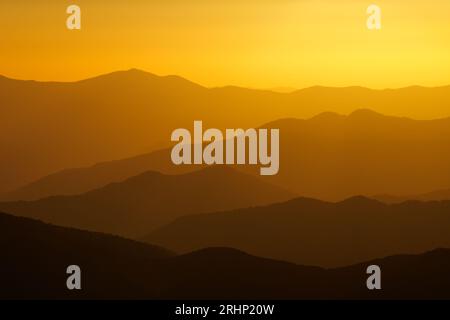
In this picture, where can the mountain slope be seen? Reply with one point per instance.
(329, 157)
(54, 126)
(313, 232)
(333, 157)
(141, 203)
(81, 180)
(35, 257)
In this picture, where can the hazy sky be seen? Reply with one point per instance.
(253, 43)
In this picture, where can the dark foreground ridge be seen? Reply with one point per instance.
(35, 257)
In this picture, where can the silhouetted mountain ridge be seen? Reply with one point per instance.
(360, 201)
(141, 203)
(131, 112)
(313, 232)
(126, 77)
(329, 157)
(81, 180)
(117, 268)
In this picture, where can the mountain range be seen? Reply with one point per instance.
(80, 180)
(312, 232)
(52, 126)
(117, 268)
(141, 203)
(329, 157)
(333, 157)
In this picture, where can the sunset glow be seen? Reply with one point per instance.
(257, 44)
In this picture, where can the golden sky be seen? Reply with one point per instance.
(253, 43)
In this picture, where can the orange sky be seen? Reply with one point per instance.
(253, 43)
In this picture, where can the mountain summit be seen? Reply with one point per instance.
(127, 113)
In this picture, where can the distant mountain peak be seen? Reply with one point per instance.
(123, 74)
(360, 201)
(328, 116)
(134, 74)
(365, 113)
